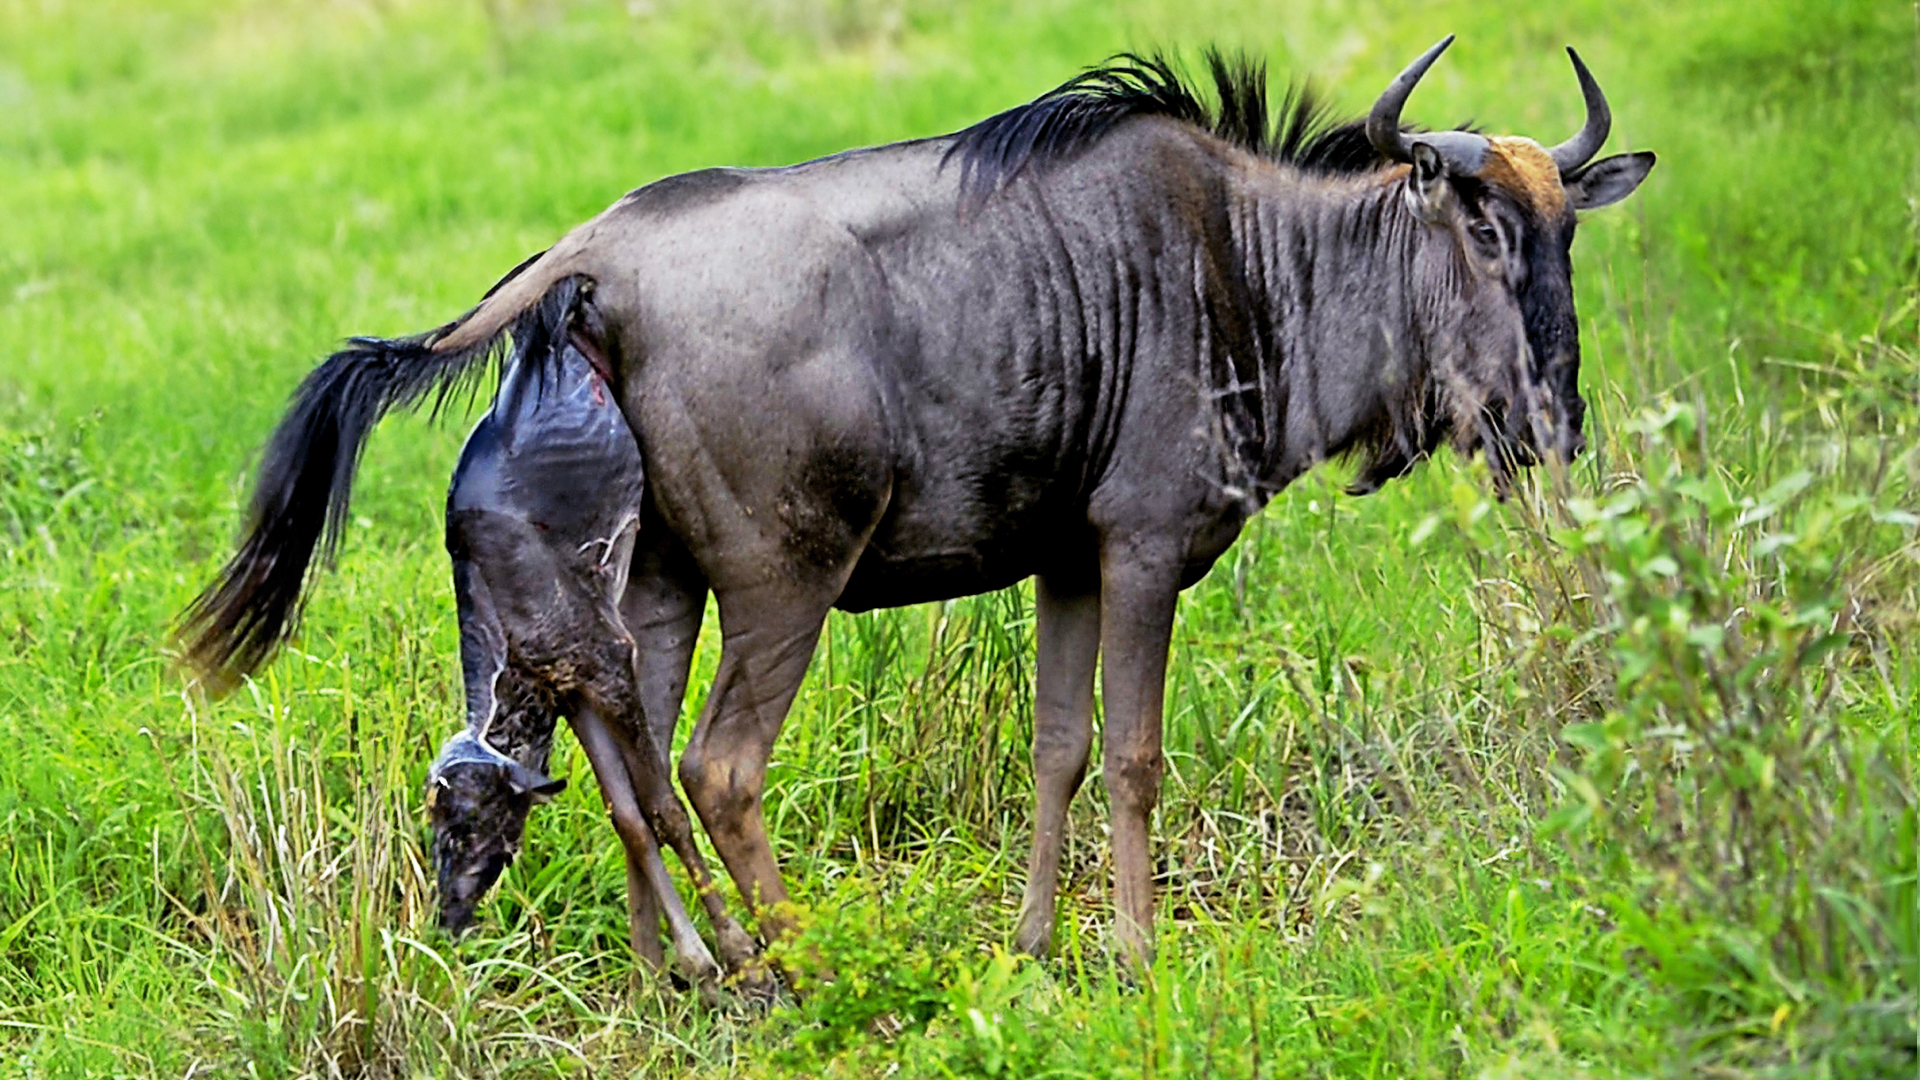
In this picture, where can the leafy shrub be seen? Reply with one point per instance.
(989, 1031)
(864, 966)
(1753, 840)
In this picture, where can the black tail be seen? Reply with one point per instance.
(253, 607)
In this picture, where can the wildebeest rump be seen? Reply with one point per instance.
(1080, 341)
(541, 518)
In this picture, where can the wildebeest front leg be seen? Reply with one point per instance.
(1139, 586)
(603, 749)
(1067, 626)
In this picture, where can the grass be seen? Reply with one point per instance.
(1615, 779)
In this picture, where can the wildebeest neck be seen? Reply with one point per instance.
(1338, 330)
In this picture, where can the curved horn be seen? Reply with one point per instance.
(1383, 123)
(1575, 152)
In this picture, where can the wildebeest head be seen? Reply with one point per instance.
(1509, 372)
(477, 801)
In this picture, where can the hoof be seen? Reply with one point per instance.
(701, 973)
(748, 973)
(1036, 942)
(737, 948)
(755, 984)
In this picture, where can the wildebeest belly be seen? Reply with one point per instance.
(939, 543)
(881, 579)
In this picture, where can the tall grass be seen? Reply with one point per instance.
(1615, 778)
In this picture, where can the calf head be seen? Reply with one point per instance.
(477, 801)
(1498, 283)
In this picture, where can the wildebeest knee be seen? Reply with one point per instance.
(1133, 777)
(716, 790)
(693, 760)
(664, 811)
(1061, 751)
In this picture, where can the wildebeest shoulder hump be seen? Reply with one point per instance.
(673, 194)
(1299, 132)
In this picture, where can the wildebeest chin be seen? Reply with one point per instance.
(1080, 341)
(478, 799)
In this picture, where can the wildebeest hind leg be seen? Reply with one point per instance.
(1139, 586)
(644, 910)
(609, 690)
(736, 946)
(663, 608)
(1067, 618)
(767, 643)
(603, 751)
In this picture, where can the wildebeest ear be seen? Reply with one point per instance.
(526, 781)
(1608, 180)
(1427, 189)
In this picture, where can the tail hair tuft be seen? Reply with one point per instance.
(301, 500)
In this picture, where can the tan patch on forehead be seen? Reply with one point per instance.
(1525, 169)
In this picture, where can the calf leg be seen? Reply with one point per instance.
(1139, 586)
(644, 866)
(662, 609)
(644, 909)
(610, 690)
(1068, 632)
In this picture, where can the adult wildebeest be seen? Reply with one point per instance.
(541, 518)
(1080, 341)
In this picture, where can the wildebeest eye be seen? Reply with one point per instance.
(1485, 233)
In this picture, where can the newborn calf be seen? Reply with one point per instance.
(542, 517)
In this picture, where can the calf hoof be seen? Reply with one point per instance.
(737, 948)
(704, 976)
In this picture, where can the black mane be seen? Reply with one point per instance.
(1078, 112)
